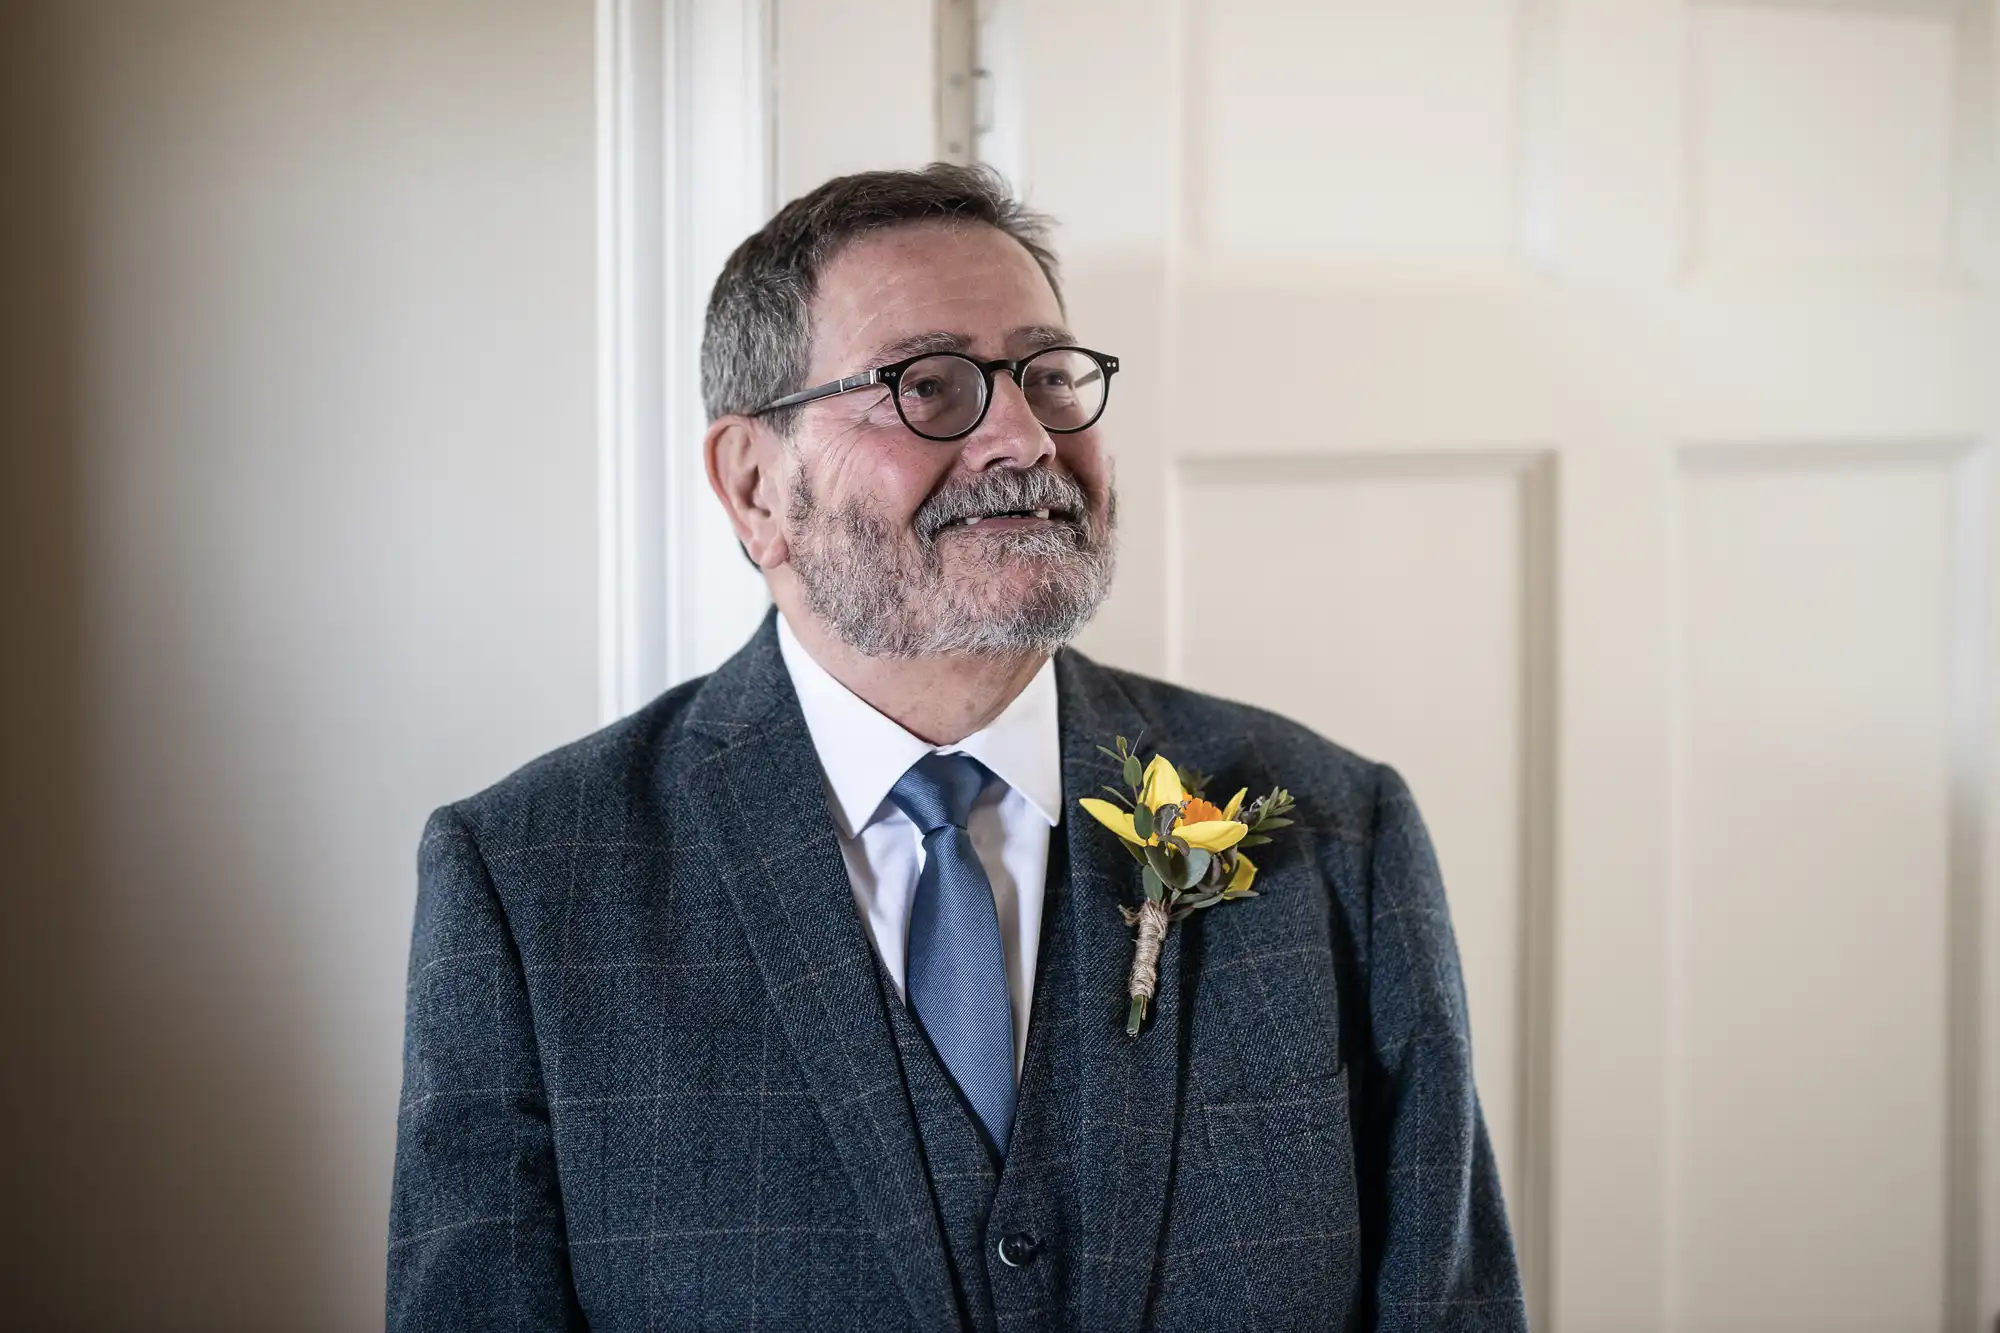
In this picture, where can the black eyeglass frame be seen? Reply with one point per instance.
(890, 375)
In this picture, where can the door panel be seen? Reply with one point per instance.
(1812, 902)
(1326, 587)
(1613, 382)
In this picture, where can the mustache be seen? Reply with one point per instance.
(1000, 491)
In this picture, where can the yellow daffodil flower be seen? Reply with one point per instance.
(1177, 886)
(1161, 785)
(1202, 824)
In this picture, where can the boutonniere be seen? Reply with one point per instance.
(1192, 852)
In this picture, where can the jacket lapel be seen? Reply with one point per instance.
(769, 838)
(1128, 1088)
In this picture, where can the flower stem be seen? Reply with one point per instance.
(1153, 920)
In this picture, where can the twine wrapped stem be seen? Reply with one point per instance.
(1152, 920)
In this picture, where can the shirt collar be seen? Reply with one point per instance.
(862, 753)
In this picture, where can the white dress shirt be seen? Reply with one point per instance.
(862, 754)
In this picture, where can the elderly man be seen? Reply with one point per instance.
(804, 998)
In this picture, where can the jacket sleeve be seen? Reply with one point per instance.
(475, 1223)
(1436, 1245)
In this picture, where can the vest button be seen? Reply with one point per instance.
(1018, 1249)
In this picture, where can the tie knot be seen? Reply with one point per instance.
(938, 790)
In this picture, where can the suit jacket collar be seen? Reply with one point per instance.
(769, 836)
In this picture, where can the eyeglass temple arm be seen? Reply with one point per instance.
(814, 394)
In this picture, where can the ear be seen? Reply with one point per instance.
(744, 461)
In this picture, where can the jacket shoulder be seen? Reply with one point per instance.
(617, 764)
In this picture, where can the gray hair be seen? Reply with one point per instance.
(757, 340)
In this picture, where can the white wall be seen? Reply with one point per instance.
(296, 542)
(856, 89)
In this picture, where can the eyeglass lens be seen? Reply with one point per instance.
(942, 396)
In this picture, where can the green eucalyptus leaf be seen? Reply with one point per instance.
(1198, 862)
(1134, 775)
(1252, 840)
(1200, 900)
(1161, 862)
(1155, 889)
(1273, 823)
(1119, 797)
(1142, 820)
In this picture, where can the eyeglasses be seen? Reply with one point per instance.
(944, 395)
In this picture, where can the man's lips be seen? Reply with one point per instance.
(1011, 519)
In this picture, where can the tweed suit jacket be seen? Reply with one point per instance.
(651, 1081)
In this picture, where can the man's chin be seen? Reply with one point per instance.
(999, 583)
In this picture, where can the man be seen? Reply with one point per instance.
(799, 999)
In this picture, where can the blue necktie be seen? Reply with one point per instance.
(957, 979)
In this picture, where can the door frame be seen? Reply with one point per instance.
(686, 105)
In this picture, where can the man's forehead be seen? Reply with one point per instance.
(1016, 342)
(933, 287)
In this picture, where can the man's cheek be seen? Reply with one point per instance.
(845, 460)
(1099, 481)
(833, 475)
(888, 483)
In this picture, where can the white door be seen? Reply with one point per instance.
(1614, 384)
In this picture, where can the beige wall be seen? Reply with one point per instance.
(296, 542)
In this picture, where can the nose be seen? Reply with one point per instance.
(1010, 436)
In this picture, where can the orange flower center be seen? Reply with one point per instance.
(1198, 811)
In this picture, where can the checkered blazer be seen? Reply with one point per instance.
(651, 1082)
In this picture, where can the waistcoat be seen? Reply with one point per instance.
(964, 1171)
(980, 1200)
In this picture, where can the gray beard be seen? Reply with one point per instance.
(886, 596)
